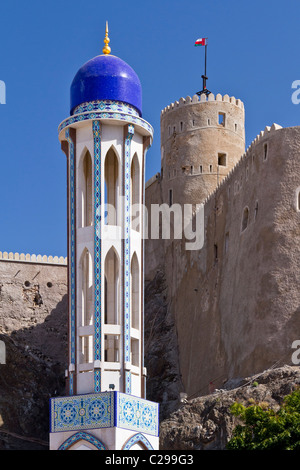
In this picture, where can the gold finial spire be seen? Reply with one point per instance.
(106, 49)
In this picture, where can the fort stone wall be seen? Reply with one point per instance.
(236, 301)
(33, 304)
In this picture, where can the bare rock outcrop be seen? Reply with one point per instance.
(206, 423)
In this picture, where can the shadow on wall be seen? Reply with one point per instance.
(34, 371)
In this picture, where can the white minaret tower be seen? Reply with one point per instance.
(105, 140)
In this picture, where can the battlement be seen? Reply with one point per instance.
(27, 258)
(267, 132)
(203, 99)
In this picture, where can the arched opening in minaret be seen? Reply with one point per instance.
(135, 194)
(112, 188)
(86, 185)
(112, 288)
(86, 281)
(135, 290)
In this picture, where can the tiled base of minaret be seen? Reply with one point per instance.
(103, 421)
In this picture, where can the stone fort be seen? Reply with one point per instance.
(232, 305)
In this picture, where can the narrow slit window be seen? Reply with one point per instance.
(216, 252)
(200, 169)
(265, 151)
(210, 168)
(170, 197)
(256, 210)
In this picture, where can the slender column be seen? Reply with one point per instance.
(71, 139)
(97, 254)
(129, 132)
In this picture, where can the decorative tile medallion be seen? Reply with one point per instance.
(104, 410)
(97, 251)
(82, 412)
(137, 414)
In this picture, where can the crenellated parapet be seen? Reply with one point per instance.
(202, 138)
(31, 258)
(203, 99)
(263, 136)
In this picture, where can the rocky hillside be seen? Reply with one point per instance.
(205, 423)
(27, 381)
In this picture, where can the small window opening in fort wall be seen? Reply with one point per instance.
(170, 197)
(222, 159)
(200, 169)
(221, 119)
(210, 168)
(245, 219)
(256, 210)
(216, 252)
(265, 151)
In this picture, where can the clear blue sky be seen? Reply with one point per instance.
(252, 55)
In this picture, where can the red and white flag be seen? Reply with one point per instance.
(201, 42)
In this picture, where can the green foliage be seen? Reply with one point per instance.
(265, 429)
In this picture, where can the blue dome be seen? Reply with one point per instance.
(106, 77)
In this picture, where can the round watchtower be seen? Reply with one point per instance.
(201, 141)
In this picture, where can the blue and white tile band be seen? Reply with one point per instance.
(97, 251)
(72, 313)
(121, 113)
(104, 410)
(126, 254)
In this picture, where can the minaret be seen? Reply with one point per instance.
(105, 140)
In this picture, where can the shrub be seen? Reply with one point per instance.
(265, 429)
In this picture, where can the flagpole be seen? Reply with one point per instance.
(204, 77)
(205, 56)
